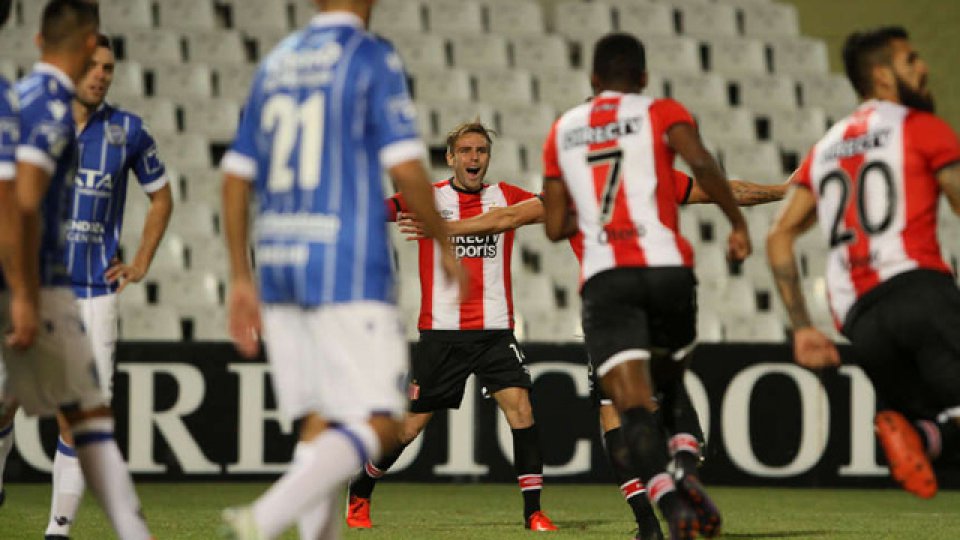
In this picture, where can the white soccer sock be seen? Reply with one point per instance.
(108, 477)
(325, 463)
(6, 445)
(67, 490)
(312, 521)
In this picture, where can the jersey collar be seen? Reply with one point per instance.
(336, 18)
(459, 189)
(56, 73)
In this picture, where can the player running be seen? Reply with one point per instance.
(874, 182)
(328, 111)
(472, 335)
(50, 366)
(111, 142)
(612, 160)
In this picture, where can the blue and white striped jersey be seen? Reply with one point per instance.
(47, 140)
(328, 110)
(113, 143)
(9, 130)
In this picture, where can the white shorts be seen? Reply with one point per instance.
(345, 362)
(99, 316)
(59, 370)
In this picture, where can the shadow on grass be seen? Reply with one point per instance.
(780, 534)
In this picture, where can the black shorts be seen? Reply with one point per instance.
(653, 310)
(906, 337)
(443, 360)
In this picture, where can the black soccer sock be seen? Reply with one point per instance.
(648, 451)
(528, 462)
(940, 438)
(631, 488)
(363, 484)
(685, 449)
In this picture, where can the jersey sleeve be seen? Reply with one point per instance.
(670, 112)
(551, 159)
(394, 205)
(46, 132)
(241, 158)
(933, 138)
(150, 170)
(392, 115)
(802, 176)
(683, 185)
(514, 194)
(9, 131)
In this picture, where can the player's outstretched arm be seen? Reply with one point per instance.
(244, 304)
(158, 216)
(812, 349)
(949, 179)
(560, 223)
(744, 193)
(495, 221)
(685, 139)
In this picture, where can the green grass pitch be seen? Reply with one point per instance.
(492, 511)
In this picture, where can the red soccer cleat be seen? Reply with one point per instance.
(908, 461)
(538, 521)
(358, 513)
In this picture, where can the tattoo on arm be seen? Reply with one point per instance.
(788, 282)
(748, 194)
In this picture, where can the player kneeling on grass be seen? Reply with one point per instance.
(472, 335)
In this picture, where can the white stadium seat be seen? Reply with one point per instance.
(563, 88)
(215, 119)
(799, 56)
(737, 56)
(397, 16)
(575, 19)
(524, 121)
(655, 86)
(449, 115)
(739, 298)
(194, 220)
(472, 51)
(127, 80)
(18, 44)
(153, 45)
(420, 50)
(117, 15)
(764, 93)
(708, 20)
(189, 288)
(832, 92)
(260, 14)
(30, 13)
(697, 92)
(185, 150)
(233, 81)
(187, 14)
(454, 17)
(759, 328)
(709, 326)
(216, 48)
(505, 160)
(159, 114)
(265, 39)
(644, 19)
(726, 124)
(170, 255)
(771, 19)
(209, 322)
(439, 84)
(667, 55)
(515, 17)
(758, 162)
(8, 70)
(507, 86)
(149, 323)
(798, 129)
(535, 52)
(180, 80)
(202, 185)
(134, 294)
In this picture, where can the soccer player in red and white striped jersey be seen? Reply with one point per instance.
(473, 334)
(874, 182)
(612, 160)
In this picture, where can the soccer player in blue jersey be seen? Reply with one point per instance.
(50, 366)
(9, 134)
(111, 142)
(328, 111)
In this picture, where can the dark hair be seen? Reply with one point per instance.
(104, 41)
(5, 6)
(619, 58)
(64, 20)
(865, 50)
(474, 126)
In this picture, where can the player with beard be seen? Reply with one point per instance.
(874, 182)
(472, 335)
(685, 447)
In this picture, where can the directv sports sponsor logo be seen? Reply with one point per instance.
(859, 145)
(601, 134)
(476, 247)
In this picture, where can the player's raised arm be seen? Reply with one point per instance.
(494, 221)
(949, 179)
(559, 222)
(744, 193)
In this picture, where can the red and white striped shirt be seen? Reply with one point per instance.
(873, 175)
(612, 154)
(489, 302)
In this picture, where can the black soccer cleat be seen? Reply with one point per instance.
(683, 520)
(708, 515)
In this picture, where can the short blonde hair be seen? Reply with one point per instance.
(474, 126)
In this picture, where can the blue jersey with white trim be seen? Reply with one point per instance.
(111, 144)
(48, 140)
(328, 110)
(9, 130)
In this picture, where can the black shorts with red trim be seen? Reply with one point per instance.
(443, 359)
(628, 312)
(906, 336)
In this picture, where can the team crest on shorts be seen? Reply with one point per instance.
(115, 135)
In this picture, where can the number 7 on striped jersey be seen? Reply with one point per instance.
(613, 157)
